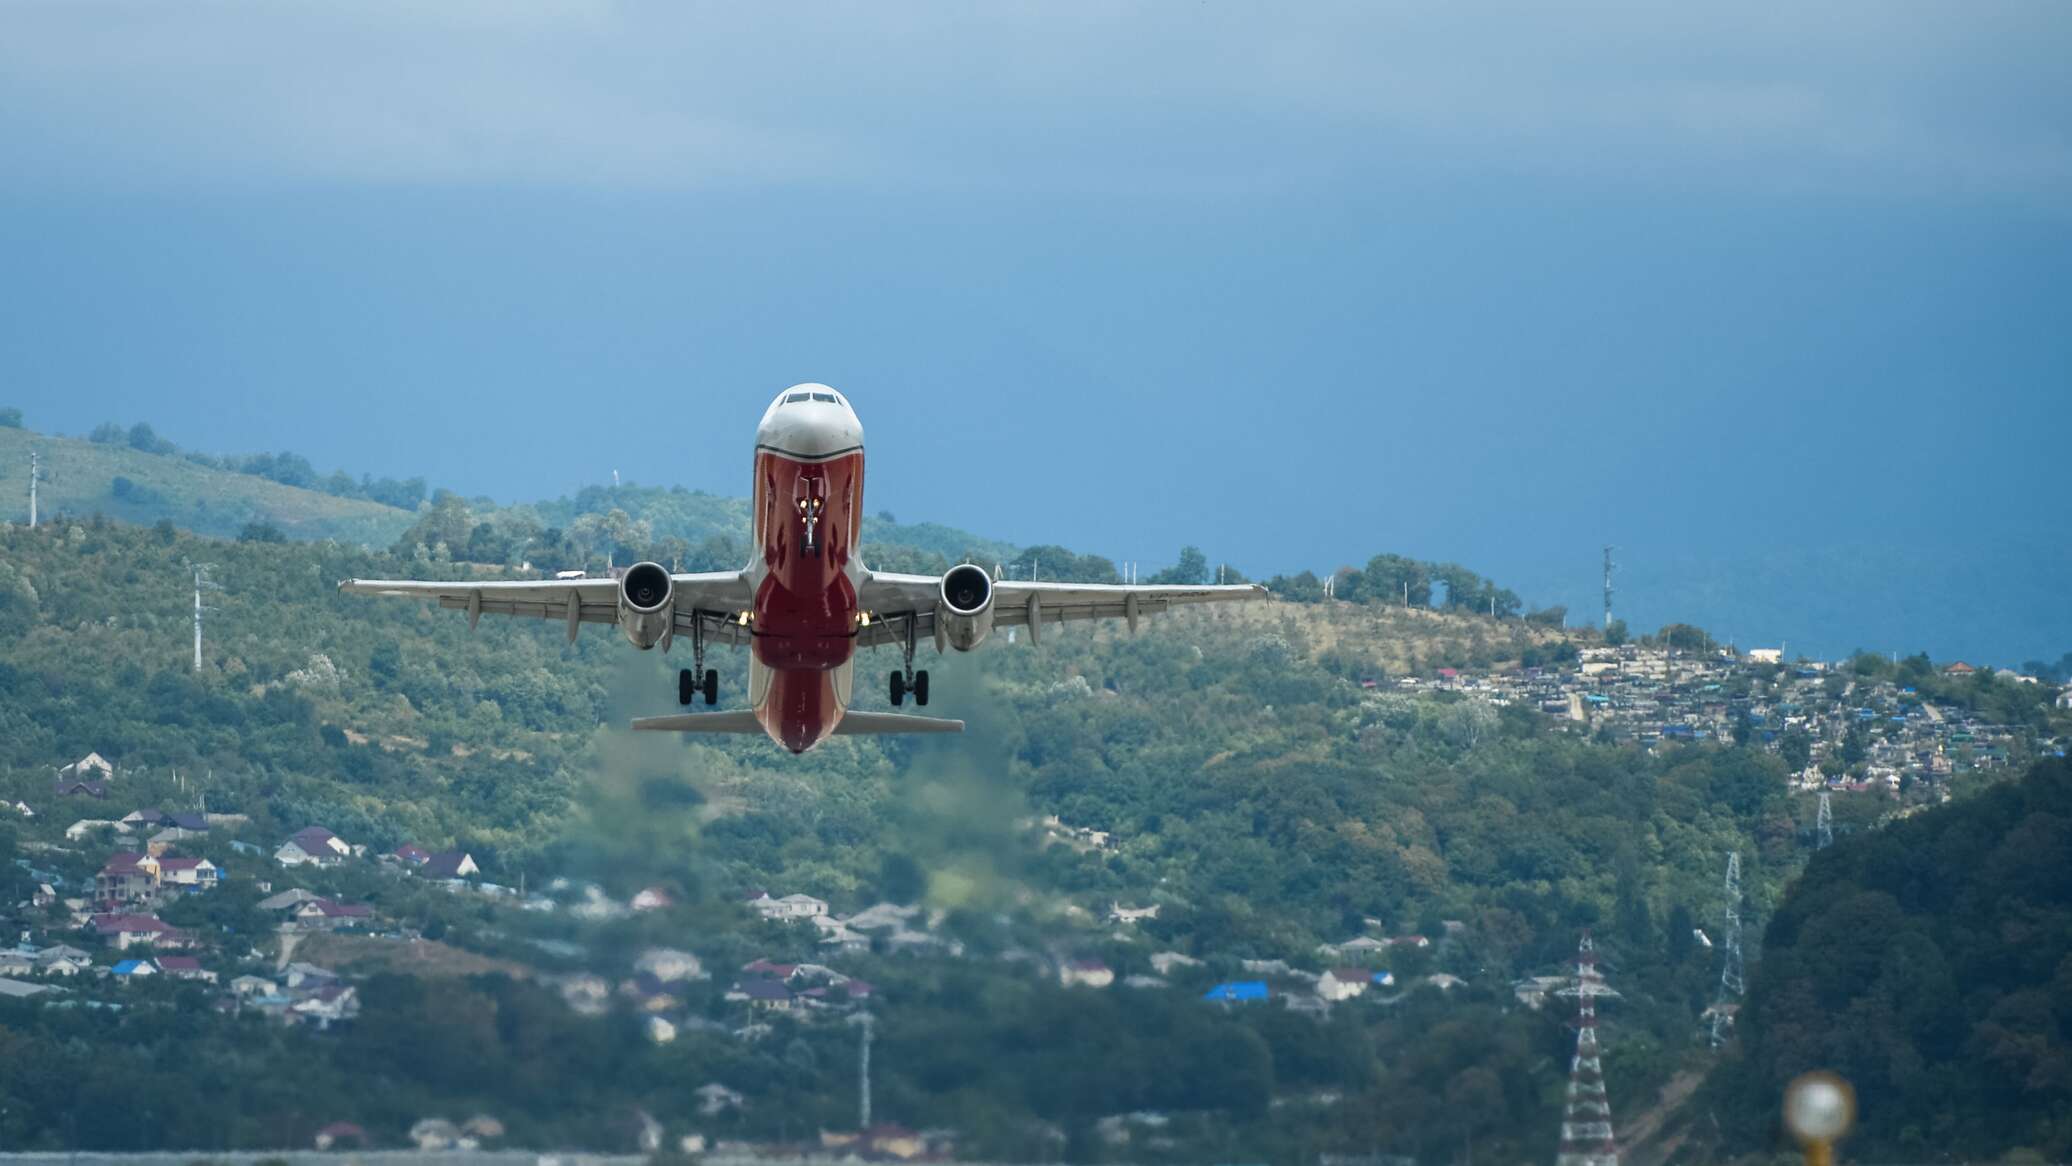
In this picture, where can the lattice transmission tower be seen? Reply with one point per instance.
(1586, 1118)
(1730, 983)
(1824, 825)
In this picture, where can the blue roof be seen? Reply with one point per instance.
(127, 967)
(1237, 990)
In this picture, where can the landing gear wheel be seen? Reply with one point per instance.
(921, 688)
(711, 686)
(686, 686)
(899, 689)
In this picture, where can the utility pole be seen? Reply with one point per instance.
(201, 581)
(863, 1075)
(1608, 565)
(1730, 983)
(1824, 825)
(35, 472)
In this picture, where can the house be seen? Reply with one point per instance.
(789, 907)
(1960, 668)
(246, 987)
(329, 1003)
(2065, 697)
(80, 789)
(313, 846)
(123, 932)
(185, 967)
(1766, 655)
(22, 989)
(1085, 974)
(128, 877)
(1417, 941)
(91, 768)
(132, 970)
(715, 1099)
(85, 826)
(286, 900)
(16, 963)
(1118, 913)
(22, 808)
(669, 965)
(766, 995)
(1237, 992)
(1343, 983)
(331, 915)
(435, 1133)
(188, 874)
(1358, 945)
(1444, 981)
(1165, 961)
(411, 854)
(450, 864)
(343, 1135)
(43, 896)
(652, 899)
(881, 916)
(770, 971)
(309, 977)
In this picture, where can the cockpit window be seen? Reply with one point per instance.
(795, 398)
(828, 397)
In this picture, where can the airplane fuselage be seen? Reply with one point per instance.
(808, 504)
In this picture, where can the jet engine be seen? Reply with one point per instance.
(647, 604)
(964, 612)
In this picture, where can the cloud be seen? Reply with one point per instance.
(1151, 97)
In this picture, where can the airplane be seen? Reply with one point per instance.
(806, 603)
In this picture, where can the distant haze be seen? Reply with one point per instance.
(1771, 297)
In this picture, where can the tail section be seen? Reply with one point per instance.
(853, 724)
(729, 722)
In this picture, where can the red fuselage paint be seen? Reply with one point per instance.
(808, 513)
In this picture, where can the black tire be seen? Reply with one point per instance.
(686, 686)
(711, 686)
(921, 688)
(899, 689)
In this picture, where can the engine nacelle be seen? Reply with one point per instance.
(964, 609)
(647, 604)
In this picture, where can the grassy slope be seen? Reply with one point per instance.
(78, 479)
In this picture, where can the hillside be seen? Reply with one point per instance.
(1244, 783)
(1931, 964)
(83, 478)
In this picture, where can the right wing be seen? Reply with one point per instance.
(900, 601)
(852, 724)
(711, 598)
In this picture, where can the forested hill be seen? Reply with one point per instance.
(1245, 784)
(144, 484)
(1931, 964)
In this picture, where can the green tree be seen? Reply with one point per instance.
(10, 418)
(1191, 571)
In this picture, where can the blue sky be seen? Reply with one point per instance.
(1498, 284)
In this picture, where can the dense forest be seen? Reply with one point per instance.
(1931, 964)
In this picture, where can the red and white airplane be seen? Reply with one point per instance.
(807, 602)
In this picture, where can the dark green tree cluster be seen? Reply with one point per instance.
(1930, 963)
(1394, 579)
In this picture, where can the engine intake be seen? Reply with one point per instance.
(647, 604)
(964, 609)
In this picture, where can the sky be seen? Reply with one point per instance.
(1738, 288)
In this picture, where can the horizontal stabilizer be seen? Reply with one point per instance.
(741, 721)
(856, 724)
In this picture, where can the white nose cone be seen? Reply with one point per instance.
(810, 421)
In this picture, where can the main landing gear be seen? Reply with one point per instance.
(907, 680)
(689, 685)
(910, 681)
(697, 679)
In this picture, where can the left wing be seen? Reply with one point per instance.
(895, 601)
(710, 598)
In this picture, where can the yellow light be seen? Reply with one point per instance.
(744, 619)
(863, 619)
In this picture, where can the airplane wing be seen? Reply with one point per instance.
(711, 598)
(895, 601)
(852, 724)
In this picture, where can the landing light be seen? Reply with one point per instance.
(863, 619)
(744, 618)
